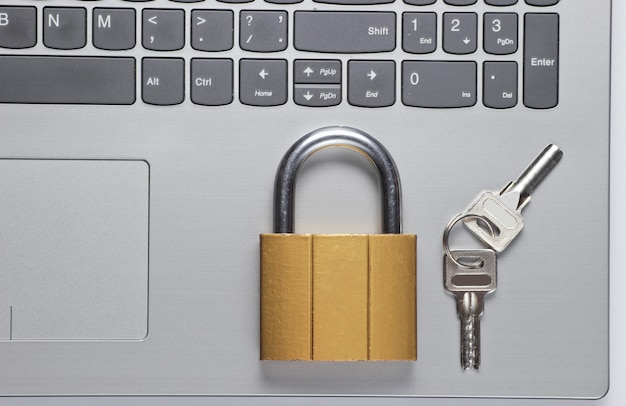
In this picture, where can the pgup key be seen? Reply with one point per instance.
(503, 209)
(470, 275)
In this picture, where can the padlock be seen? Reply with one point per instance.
(343, 297)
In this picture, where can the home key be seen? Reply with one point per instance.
(503, 210)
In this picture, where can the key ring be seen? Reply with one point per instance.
(446, 234)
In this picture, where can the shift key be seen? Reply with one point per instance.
(541, 60)
(345, 31)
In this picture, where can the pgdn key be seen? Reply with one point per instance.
(503, 209)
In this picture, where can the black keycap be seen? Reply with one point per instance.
(67, 80)
(541, 60)
(18, 27)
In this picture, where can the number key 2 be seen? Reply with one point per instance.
(459, 33)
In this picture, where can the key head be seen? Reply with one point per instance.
(500, 210)
(478, 276)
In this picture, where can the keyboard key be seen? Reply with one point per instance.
(501, 2)
(371, 83)
(313, 95)
(317, 71)
(64, 28)
(212, 81)
(438, 84)
(459, 33)
(263, 31)
(284, 1)
(212, 30)
(45, 79)
(420, 2)
(542, 2)
(163, 29)
(541, 60)
(187, 1)
(419, 32)
(500, 33)
(163, 81)
(18, 27)
(355, 2)
(263, 82)
(114, 28)
(500, 84)
(235, 1)
(345, 32)
(460, 2)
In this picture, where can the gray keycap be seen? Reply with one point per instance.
(542, 2)
(459, 2)
(263, 31)
(438, 84)
(64, 28)
(500, 84)
(163, 30)
(114, 28)
(355, 2)
(317, 71)
(263, 82)
(284, 1)
(45, 79)
(420, 2)
(18, 27)
(163, 81)
(313, 95)
(500, 33)
(459, 33)
(371, 83)
(211, 81)
(212, 30)
(541, 60)
(345, 32)
(419, 32)
(500, 2)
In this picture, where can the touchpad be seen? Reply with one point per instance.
(73, 249)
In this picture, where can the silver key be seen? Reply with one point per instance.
(470, 275)
(504, 209)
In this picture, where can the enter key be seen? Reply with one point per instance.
(541, 60)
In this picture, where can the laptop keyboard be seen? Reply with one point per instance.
(420, 53)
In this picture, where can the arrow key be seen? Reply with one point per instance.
(313, 95)
(460, 33)
(317, 71)
(263, 82)
(371, 83)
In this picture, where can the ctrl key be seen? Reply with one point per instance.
(211, 81)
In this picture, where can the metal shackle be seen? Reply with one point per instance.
(346, 137)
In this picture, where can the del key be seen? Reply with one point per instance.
(503, 209)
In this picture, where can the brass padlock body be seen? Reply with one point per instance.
(343, 297)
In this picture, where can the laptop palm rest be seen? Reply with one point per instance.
(73, 249)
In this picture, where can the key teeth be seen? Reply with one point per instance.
(470, 350)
